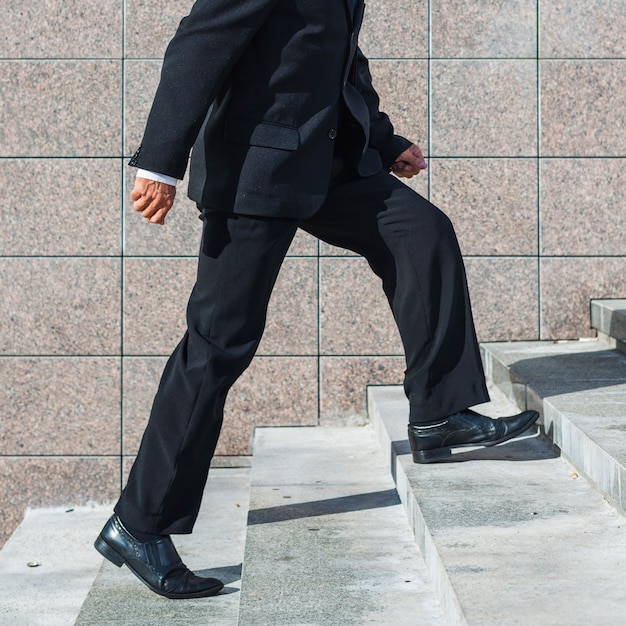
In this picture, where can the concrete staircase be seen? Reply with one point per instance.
(337, 526)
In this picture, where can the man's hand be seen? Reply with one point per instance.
(153, 200)
(409, 163)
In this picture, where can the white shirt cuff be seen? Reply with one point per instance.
(159, 178)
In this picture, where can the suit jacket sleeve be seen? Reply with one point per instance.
(206, 45)
(382, 137)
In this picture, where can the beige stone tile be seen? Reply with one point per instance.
(158, 288)
(491, 202)
(59, 29)
(484, 29)
(582, 108)
(303, 244)
(355, 316)
(291, 327)
(140, 83)
(45, 212)
(53, 481)
(582, 207)
(140, 384)
(141, 380)
(343, 386)
(421, 182)
(567, 286)
(403, 90)
(58, 406)
(127, 463)
(221, 461)
(327, 250)
(151, 25)
(274, 391)
(484, 108)
(596, 28)
(60, 306)
(156, 291)
(395, 30)
(504, 295)
(180, 236)
(60, 108)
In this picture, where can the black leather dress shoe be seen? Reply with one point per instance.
(466, 428)
(155, 563)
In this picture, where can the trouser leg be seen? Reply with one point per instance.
(411, 245)
(239, 261)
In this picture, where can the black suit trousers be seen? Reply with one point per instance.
(408, 243)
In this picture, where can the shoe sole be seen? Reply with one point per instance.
(118, 560)
(438, 454)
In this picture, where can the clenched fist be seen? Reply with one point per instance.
(152, 199)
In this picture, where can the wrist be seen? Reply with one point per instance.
(159, 178)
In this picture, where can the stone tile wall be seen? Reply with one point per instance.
(519, 105)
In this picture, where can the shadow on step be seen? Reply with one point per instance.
(344, 504)
(227, 574)
(551, 375)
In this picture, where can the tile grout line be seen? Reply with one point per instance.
(122, 246)
(539, 157)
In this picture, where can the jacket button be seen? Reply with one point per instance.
(332, 133)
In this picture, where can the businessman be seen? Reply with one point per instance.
(276, 100)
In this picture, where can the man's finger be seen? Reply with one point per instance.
(141, 203)
(147, 205)
(406, 171)
(149, 195)
(158, 217)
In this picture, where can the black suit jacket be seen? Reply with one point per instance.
(265, 89)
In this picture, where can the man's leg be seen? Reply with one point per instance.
(238, 264)
(239, 261)
(412, 246)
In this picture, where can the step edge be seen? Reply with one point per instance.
(448, 598)
(609, 320)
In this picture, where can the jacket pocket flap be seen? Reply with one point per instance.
(263, 134)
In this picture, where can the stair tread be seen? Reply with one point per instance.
(511, 534)
(60, 541)
(214, 549)
(327, 541)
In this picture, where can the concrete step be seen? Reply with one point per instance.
(73, 584)
(327, 541)
(214, 549)
(48, 566)
(510, 534)
(608, 317)
(579, 387)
